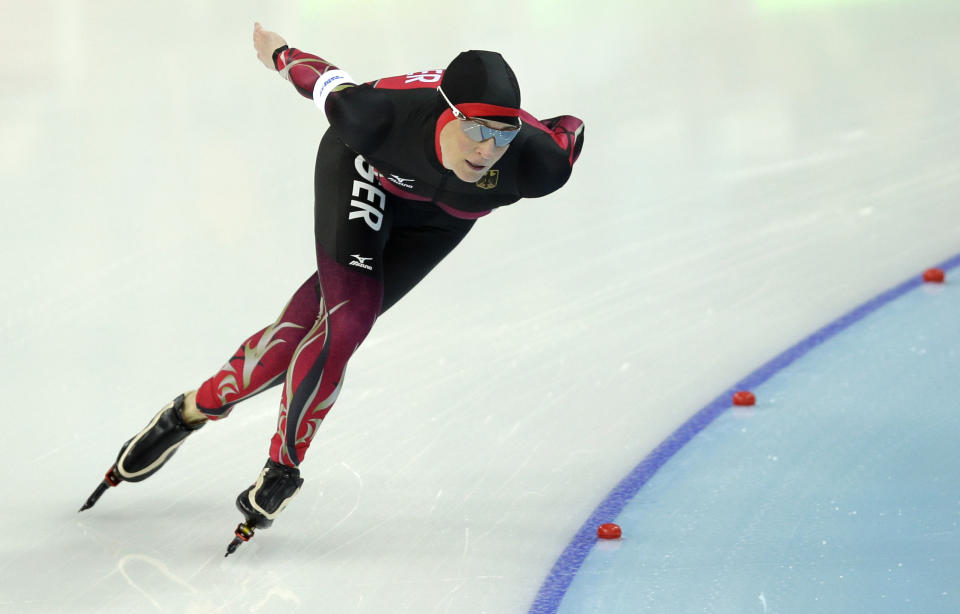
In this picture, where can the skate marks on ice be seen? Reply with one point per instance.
(332, 510)
(168, 582)
(153, 579)
(128, 568)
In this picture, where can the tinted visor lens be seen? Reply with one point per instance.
(480, 133)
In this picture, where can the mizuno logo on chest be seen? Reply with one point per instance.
(403, 182)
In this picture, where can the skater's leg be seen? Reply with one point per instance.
(261, 361)
(348, 310)
(398, 249)
(421, 236)
(352, 218)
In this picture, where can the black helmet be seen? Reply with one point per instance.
(478, 79)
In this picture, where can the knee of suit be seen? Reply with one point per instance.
(348, 324)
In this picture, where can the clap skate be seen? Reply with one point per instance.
(144, 454)
(262, 502)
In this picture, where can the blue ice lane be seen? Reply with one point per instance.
(839, 492)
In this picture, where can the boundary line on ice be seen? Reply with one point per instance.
(555, 587)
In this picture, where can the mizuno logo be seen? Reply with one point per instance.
(401, 181)
(360, 261)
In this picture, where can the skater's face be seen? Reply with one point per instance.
(467, 158)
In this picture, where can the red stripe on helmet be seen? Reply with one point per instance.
(482, 109)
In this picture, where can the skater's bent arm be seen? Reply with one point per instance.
(547, 157)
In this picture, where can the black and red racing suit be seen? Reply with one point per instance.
(386, 212)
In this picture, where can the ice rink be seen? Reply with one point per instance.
(752, 172)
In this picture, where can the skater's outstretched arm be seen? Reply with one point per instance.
(266, 42)
(312, 76)
(361, 116)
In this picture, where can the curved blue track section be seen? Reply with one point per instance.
(839, 492)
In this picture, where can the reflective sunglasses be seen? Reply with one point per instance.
(478, 130)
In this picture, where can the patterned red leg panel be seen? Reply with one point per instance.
(263, 358)
(348, 309)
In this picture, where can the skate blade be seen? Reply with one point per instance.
(243, 534)
(110, 480)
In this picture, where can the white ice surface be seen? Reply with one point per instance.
(748, 176)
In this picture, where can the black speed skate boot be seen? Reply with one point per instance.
(262, 502)
(147, 451)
